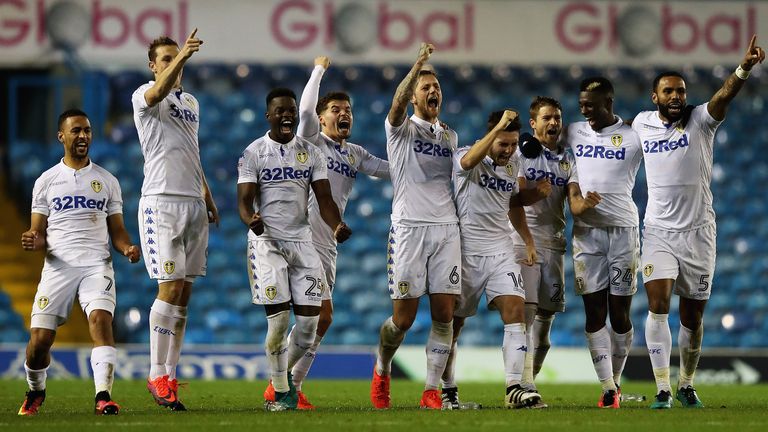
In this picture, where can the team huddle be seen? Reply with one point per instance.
(487, 218)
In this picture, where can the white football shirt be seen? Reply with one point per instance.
(607, 162)
(284, 173)
(343, 162)
(168, 136)
(77, 203)
(546, 218)
(678, 167)
(420, 161)
(482, 199)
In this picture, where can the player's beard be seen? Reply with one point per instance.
(664, 110)
(76, 153)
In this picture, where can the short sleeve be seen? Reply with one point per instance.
(457, 155)
(319, 167)
(247, 167)
(115, 204)
(39, 199)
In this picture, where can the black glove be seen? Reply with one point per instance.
(530, 147)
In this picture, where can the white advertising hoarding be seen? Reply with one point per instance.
(116, 32)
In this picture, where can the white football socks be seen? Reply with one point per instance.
(689, 342)
(103, 361)
(36, 377)
(620, 346)
(301, 368)
(541, 327)
(438, 349)
(599, 344)
(658, 338)
(161, 328)
(276, 347)
(390, 338)
(514, 347)
(449, 375)
(301, 338)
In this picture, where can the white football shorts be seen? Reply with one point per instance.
(606, 258)
(687, 257)
(94, 286)
(496, 275)
(544, 281)
(285, 271)
(174, 237)
(328, 260)
(423, 260)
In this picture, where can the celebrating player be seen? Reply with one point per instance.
(327, 123)
(424, 250)
(606, 242)
(679, 235)
(175, 209)
(544, 161)
(77, 209)
(275, 175)
(487, 201)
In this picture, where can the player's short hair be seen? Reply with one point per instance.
(542, 101)
(72, 112)
(665, 74)
(322, 104)
(161, 41)
(494, 117)
(423, 72)
(280, 92)
(597, 84)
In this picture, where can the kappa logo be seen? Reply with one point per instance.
(616, 140)
(169, 267)
(42, 302)
(565, 165)
(96, 186)
(302, 157)
(511, 169)
(271, 292)
(648, 270)
(351, 158)
(403, 287)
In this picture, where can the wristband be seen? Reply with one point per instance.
(741, 73)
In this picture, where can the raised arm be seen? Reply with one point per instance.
(246, 195)
(121, 241)
(718, 105)
(166, 79)
(34, 238)
(329, 211)
(406, 88)
(309, 125)
(578, 203)
(479, 150)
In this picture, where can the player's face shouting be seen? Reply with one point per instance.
(281, 115)
(503, 147)
(75, 135)
(670, 97)
(596, 109)
(336, 120)
(547, 125)
(427, 98)
(165, 55)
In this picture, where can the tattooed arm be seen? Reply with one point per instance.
(405, 90)
(718, 105)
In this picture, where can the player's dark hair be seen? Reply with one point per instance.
(423, 72)
(161, 41)
(280, 92)
(659, 77)
(597, 85)
(73, 112)
(322, 104)
(494, 117)
(542, 101)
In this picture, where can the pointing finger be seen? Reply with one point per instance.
(192, 35)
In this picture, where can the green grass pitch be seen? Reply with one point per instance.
(343, 405)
